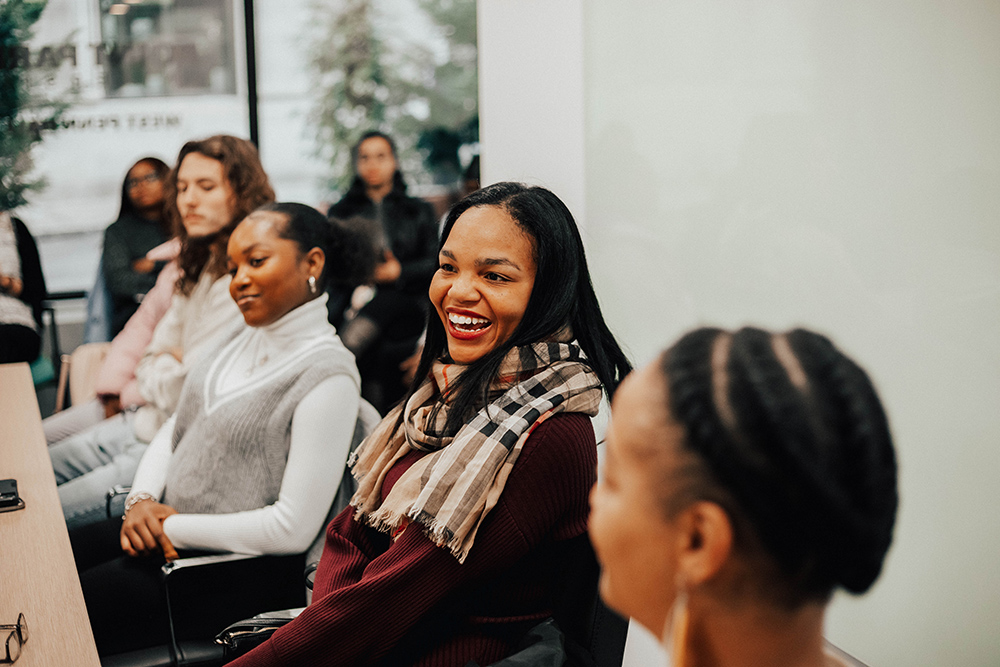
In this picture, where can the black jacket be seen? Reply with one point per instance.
(410, 227)
(33, 293)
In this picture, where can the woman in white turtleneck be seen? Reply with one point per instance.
(253, 457)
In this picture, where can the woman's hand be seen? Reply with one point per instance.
(388, 270)
(11, 285)
(112, 405)
(142, 531)
(143, 265)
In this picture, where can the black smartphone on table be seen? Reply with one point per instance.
(9, 500)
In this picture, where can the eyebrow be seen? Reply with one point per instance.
(487, 261)
(249, 248)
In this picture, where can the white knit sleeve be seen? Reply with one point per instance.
(151, 475)
(322, 429)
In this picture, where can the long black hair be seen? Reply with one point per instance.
(793, 442)
(562, 295)
(350, 259)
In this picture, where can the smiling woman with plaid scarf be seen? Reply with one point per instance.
(469, 525)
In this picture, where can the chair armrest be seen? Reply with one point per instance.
(201, 561)
(117, 491)
(310, 574)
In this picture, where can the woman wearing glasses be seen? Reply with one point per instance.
(141, 226)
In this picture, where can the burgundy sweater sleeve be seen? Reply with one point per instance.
(372, 602)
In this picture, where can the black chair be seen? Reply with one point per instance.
(188, 645)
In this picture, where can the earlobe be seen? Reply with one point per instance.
(707, 541)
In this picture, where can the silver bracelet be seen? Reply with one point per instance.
(134, 498)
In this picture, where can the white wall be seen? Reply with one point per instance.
(790, 162)
(529, 68)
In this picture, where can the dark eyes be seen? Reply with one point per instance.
(254, 262)
(491, 276)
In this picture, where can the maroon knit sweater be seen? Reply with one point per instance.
(408, 602)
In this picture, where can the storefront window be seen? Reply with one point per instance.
(153, 48)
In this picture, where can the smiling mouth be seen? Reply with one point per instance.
(467, 324)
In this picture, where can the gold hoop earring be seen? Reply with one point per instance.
(312, 284)
(675, 630)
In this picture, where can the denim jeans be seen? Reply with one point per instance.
(89, 463)
(72, 420)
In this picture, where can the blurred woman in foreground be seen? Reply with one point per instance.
(749, 475)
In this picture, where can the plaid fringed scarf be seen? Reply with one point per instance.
(449, 491)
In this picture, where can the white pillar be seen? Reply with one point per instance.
(531, 95)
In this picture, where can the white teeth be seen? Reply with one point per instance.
(465, 320)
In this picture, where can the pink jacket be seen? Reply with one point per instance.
(117, 373)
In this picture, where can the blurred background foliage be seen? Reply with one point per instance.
(376, 67)
(24, 112)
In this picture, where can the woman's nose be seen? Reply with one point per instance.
(463, 289)
(241, 279)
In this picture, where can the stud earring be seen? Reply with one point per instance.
(312, 284)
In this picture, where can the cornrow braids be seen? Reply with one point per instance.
(862, 473)
(793, 437)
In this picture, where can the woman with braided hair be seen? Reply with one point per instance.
(749, 475)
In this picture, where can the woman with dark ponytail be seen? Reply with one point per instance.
(469, 525)
(253, 457)
(749, 475)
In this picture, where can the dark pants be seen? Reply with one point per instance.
(401, 318)
(18, 343)
(127, 602)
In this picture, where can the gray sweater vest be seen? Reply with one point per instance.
(230, 451)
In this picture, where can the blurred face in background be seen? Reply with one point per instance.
(204, 198)
(145, 186)
(376, 164)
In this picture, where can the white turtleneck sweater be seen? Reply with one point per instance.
(322, 428)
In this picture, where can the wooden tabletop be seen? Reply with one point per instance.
(37, 573)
